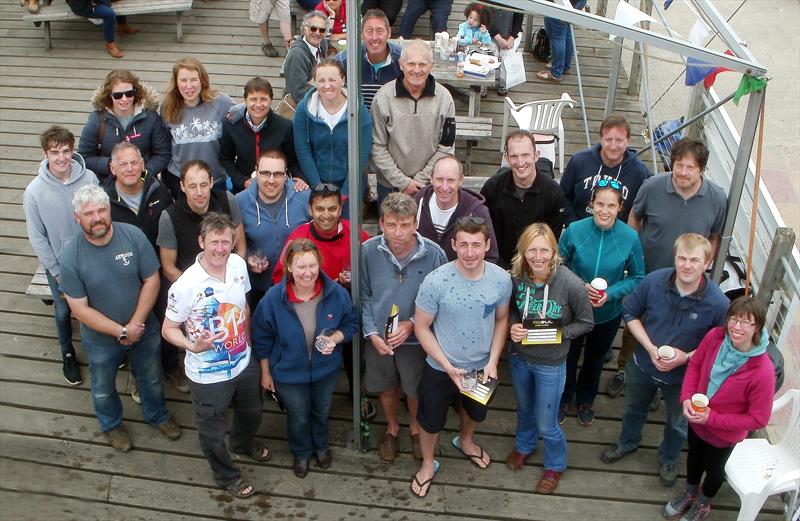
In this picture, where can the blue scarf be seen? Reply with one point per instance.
(729, 359)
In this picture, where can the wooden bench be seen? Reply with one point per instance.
(39, 288)
(472, 129)
(61, 11)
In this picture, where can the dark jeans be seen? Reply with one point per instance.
(307, 409)
(560, 34)
(389, 7)
(210, 403)
(170, 355)
(598, 342)
(62, 317)
(102, 9)
(704, 457)
(440, 11)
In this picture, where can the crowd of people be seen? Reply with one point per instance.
(204, 242)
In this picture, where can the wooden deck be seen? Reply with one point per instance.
(55, 464)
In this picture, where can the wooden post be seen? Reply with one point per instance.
(696, 105)
(634, 80)
(773, 270)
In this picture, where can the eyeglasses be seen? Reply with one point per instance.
(126, 93)
(744, 323)
(266, 174)
(613, 183)
(470, 219)
(325, 188)
(315, 29)
(129, 163)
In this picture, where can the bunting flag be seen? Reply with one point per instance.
(698, 70)
(628, 15)
(747, 85)
(667, 3)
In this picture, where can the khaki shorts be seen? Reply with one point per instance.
(262, 10)
(384, 373)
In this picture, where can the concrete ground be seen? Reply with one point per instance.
(771, 29)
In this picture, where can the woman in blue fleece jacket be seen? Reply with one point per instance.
(320, 129)
(605, 247)
(285, 326)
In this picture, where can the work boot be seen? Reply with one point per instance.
(113, 50)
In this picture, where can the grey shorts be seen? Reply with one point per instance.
(384, 373)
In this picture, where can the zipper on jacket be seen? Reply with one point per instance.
(599, 252)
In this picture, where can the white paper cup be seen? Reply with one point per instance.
(699, 402)
(600, 286)
(666, 352)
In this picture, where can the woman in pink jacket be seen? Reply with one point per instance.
(732, 369)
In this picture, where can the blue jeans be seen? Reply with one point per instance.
(62, 316)
(102, 9)
(440, 11)
(584, 384)
(560, 35)
(639, 391)
(145, 359)
(538, 391)
(307, 409)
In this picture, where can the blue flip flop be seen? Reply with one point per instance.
(476, 459)
(425, 483)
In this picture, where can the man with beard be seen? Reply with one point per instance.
(109, 274)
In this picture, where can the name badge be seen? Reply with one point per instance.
(542, 331)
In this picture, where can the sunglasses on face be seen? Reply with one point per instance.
(125, 93)
(613, 183)
(315, 29)
(470, 219)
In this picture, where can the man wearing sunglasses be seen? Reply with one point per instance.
(305, 53)
(611, 158)
(676, 307)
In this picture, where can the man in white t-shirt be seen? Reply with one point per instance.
(209, 301)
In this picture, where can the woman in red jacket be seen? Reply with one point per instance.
(732, 369)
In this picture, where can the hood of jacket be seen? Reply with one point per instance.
(149, 100)
(77, 170)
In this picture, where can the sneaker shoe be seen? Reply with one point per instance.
(616, 385)
(71, 369)
(613, 454)
(549, 482)
(585, 415)
(502, 91)
(119, 439)
(179, 380)
(697, 512)
(269, 50)
(656, 401)
(170, 429)
(135, 392)
(678, 505)
(387, 452)
(562, 414)
(668, 475)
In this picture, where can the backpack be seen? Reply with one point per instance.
(541, 45)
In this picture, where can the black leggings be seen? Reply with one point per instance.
(704, 457)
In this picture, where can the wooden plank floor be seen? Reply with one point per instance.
(55, 464)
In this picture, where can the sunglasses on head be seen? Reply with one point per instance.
(126, 93)
(613, 183)
(325, 188)
(470, 219)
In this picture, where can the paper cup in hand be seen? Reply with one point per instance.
(699, 402)
(600, 286)
(666, 352)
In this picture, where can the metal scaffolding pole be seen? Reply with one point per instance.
(739, 176)
(355, 188)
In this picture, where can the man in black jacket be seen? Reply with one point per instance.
(518, 196)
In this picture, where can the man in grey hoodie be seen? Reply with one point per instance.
(48, 216)
(394, 264)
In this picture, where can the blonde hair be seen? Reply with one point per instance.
(519, 264)
(172, 108)
(692, 241)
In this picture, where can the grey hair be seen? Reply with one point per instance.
(416, 44)
(89, 194)
(314, 14)
(400, 205)
(122, 146)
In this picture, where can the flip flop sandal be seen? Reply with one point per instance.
(547, 76)
(424, 484)
(237, 489)
(476, 459)
(260, 452)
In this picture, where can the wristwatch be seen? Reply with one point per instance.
(123, 334)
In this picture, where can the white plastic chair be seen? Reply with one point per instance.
(757, 469)
(539, 117)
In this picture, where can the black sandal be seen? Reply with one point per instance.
(237, 489)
